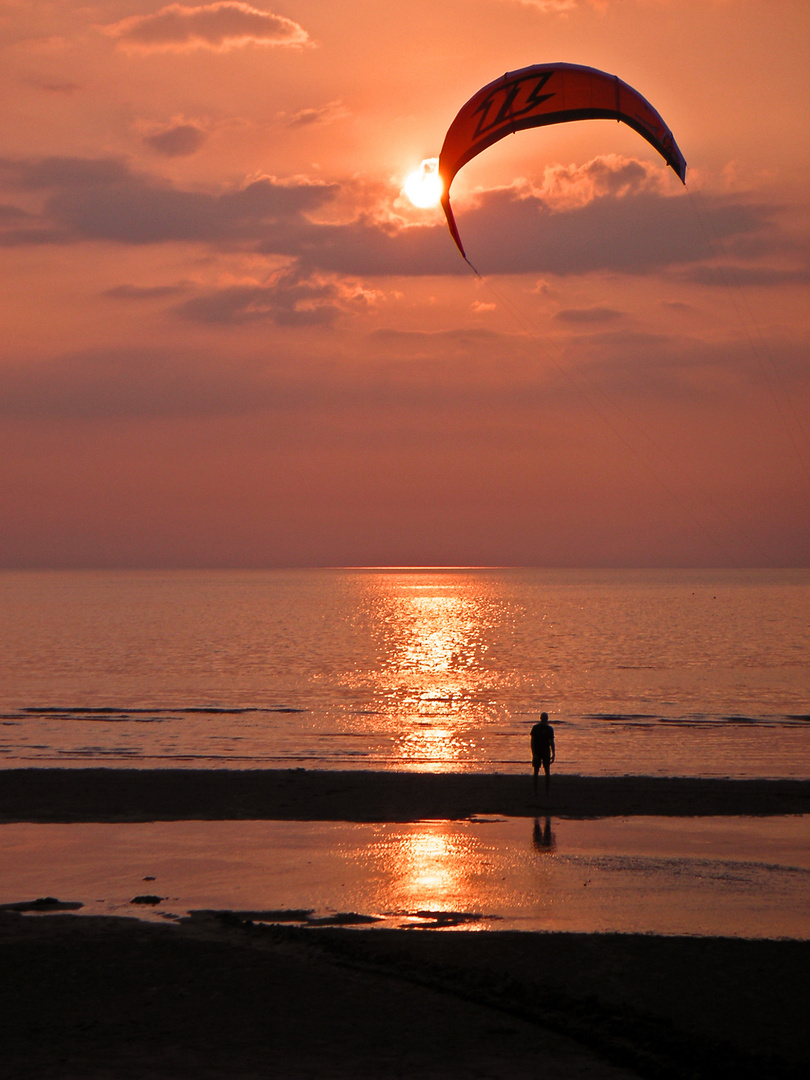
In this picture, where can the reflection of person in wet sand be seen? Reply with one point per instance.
(542, 836)
(543, 752)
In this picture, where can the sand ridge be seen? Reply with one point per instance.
(74, 795)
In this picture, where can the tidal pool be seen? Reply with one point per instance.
(742, 877)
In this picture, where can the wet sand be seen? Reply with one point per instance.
(73, 795)
(98, 997)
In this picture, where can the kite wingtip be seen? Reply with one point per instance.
(451, 224)
(678, 164)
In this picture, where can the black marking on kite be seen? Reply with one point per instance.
(507, 112)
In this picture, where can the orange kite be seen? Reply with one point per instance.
(547, 94)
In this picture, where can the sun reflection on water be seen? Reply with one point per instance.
(433, 679)
(428, 869)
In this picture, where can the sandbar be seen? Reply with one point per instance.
(85, 795)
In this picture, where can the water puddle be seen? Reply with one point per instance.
(747, 877)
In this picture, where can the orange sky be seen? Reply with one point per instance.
(229, 340)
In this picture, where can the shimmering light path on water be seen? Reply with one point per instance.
(692, 673)
(747, 877)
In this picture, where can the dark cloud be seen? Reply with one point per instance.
(465, 374)
(99, 384)
(132, 383)
(630, 366)
(733, 275)
(60, 173)
(103, 199)
(509, 231)
(12, 215)
(289, 300)
(440, 342)
(623, 364)
(640, 233)
(589, 315)
(56, 86)
(677, 305)
(141, 212)
(324, 114)
(223, 25)
(144, 292)
(365, 248)
(180, 140)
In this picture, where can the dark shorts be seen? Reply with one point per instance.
(544, 761)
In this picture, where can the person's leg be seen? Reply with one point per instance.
(536, 768)
(547, 771)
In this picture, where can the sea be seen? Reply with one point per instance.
(655, 672)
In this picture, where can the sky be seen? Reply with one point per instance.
(228, 339)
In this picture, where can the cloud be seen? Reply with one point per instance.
(98, 384)
(589, 315)
(514, 232)
(566, 187)
(179, 140)
(459, 375)
(734, 275)
(38, 174)
(56, 86)
(225, 25)
(13, 214)
(556, 7)
(607, 216)
(561, 7)
(290, 299)
(323, 114)
(628, 366)
(103, 199)
(144, 292)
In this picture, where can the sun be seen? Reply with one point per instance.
(424, 186)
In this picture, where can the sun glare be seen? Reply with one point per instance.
(424, 186)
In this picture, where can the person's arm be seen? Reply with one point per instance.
(553, 750)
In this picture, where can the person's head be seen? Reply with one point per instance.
(543, 717)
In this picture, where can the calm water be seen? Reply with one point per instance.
(702, 673)
(746, 877)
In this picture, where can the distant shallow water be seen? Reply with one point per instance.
(689, 673)
(740, 877)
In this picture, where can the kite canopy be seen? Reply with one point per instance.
(547, 94)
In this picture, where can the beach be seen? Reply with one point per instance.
(235, 993)
(218, 996)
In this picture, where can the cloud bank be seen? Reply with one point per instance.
(461, 373)
(605, 216)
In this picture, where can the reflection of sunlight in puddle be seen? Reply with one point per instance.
(425, 867)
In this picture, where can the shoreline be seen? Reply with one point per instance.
(137, 795)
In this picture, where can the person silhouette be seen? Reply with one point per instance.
(543, 750)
